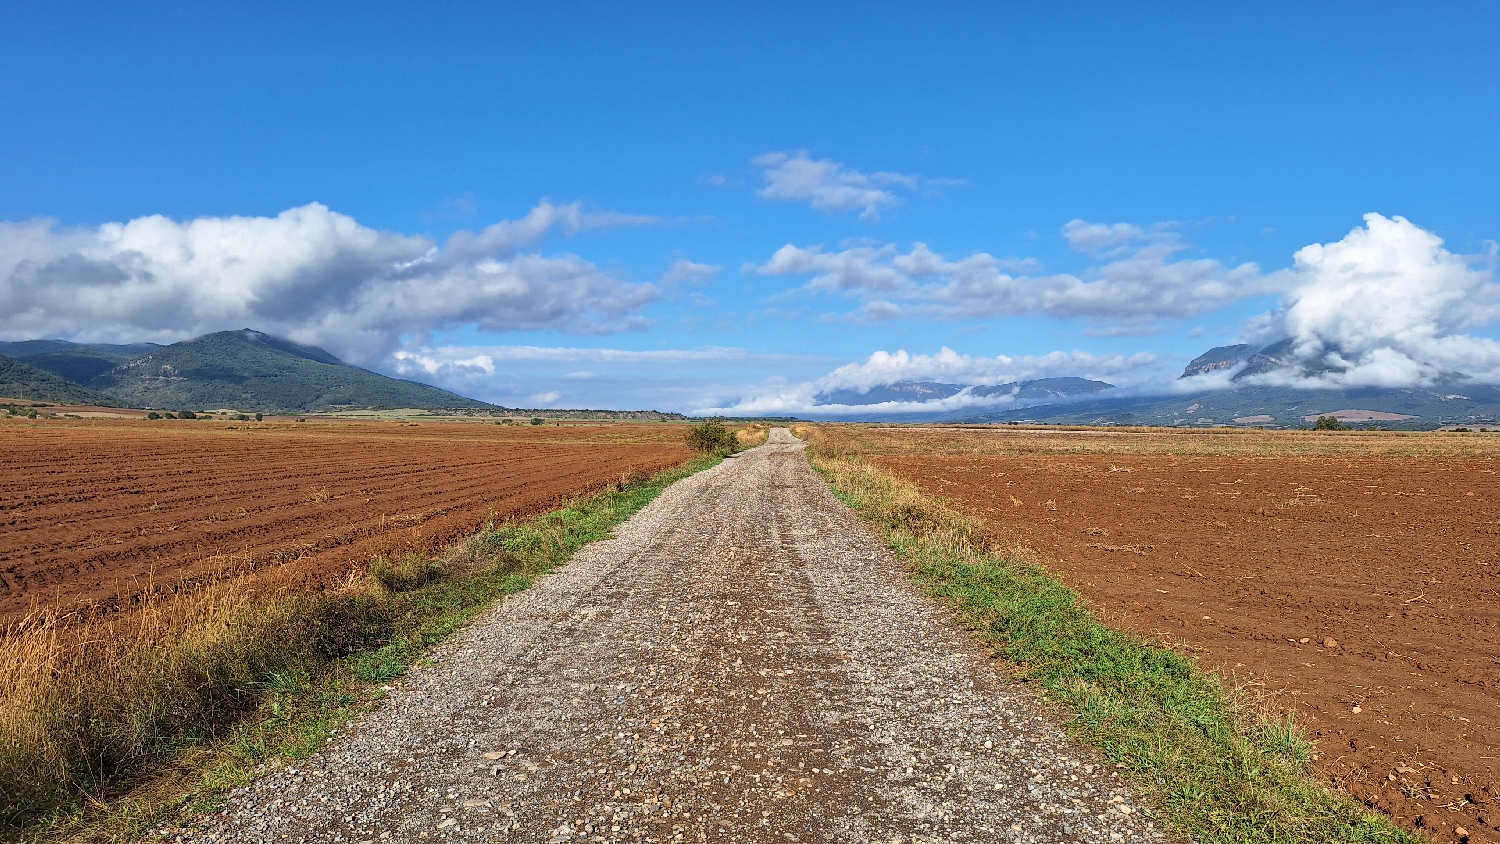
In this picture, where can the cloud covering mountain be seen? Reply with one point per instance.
(1386, 306)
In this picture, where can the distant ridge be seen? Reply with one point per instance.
(80, 363)
(1223, 357)
(242, 370)
(21, 381)
(249, 370)
(1280, 356)
(1273, 407)
(1295, 398)
(1241, 401)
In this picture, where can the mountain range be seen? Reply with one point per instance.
(1274, 407)
(21, 381)
(247, 370)
(1241, 400)
(243, 370)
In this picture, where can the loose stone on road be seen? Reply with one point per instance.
(744, 662)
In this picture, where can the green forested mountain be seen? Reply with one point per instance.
(248, 370)
(243, 370)
(26, 350)
(20, 381)
(80, 363)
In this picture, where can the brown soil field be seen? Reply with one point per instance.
(95, 514)
(1351, 578)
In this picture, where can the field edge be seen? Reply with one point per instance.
(301, 707)
(1215, 767)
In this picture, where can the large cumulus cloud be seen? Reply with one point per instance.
(310, 274)
(1388, 306)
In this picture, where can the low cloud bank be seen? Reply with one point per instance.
(313, 275)
(947, 366)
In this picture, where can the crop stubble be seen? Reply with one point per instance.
(1239, 547)
(95, 514)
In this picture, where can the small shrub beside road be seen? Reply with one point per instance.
(711, 437)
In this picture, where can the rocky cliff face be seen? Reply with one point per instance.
(1222, 357)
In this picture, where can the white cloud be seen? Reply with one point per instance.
(946, 366)
(1095, 237)
(1386, 306)
(1144, 284)
(683, 270)
(310, 274)
(831, 186)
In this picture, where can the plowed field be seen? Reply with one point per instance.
(1354, 578)
(94, 513)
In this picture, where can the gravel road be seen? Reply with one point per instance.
(745, 662)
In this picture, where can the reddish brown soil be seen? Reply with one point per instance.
(1249, 562)
(94, 513)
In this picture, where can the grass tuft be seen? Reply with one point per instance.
(1216, 768)
(752, 435)
(107, 730)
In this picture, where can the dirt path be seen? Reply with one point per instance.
(744, 663)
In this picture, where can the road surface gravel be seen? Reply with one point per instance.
(744, 662)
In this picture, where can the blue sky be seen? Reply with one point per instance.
(687, 144)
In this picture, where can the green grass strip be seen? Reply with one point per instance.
(383, 635)
(1214, 769)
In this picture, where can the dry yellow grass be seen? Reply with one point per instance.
(752, 435)
(89, 703)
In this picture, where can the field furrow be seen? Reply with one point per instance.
(93, 514)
